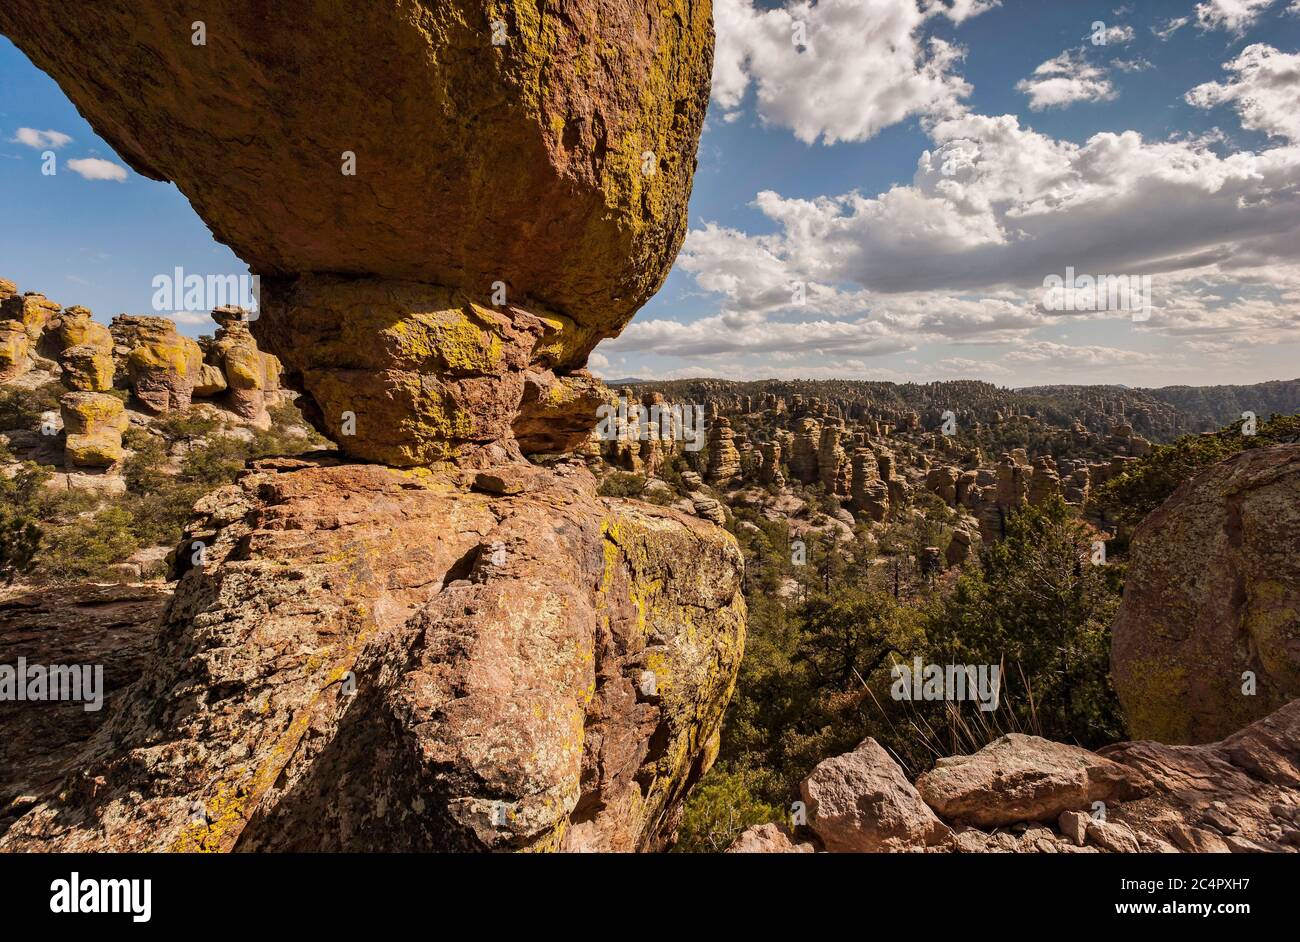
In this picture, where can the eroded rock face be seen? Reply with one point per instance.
(537, 158)
(162, 365)
(115, 628)
(492, 141)
(1213, 592)
(369, 659)
(409, 373)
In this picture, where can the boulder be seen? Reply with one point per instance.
(533, 159)
(15, 351)
(861, 801)
(87, 368)
(33, 310)
(1023, 778)
(162, 365)
(251, 377)
(1212, 602)
(769, 839)
(93, 423)
(361, 658)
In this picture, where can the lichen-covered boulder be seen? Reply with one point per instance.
(32, 310)
(74, 327)
(93, 423)
(550, 146)
(536, 158)
(87, 368)
(1208, 635)
(15, 351)
(162, 365)
(409, 373)
(360, 658)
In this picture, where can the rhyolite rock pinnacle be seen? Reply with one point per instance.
(449, 203)
(526, 156)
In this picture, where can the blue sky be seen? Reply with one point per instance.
(919, 166)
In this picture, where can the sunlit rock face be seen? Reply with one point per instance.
(534, 157)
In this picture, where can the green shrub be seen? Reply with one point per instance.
(719, 808)
(621, 484)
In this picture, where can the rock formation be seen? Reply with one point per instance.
(724, 459)
(522, 197)
(1208, 634)
(93, 423)
(389, 663)
(364, 657)
(1024, 794)
(162, 365)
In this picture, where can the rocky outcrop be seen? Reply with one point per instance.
(724, 459)
(769, 471)
(769, 839)
(1208, 635)
(368, 659)
(87, 368)
(1022, 794)
(803, 459)
(535, 161)
(113, 627)
(250, 377)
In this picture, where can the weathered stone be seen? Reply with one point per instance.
(32, 310)
(803, 459)
(958, 547)
(724, 459)
(110, 626)
(861, 801)
(251, 377)
(15, 351)
(1023, 778)
(1074, 825)
(87, 368)
(420, 374)
(541, 162)
(389, 662)
(1213, 592)
(162, 366)
(768, 839)
(93, 423)
(556, 158)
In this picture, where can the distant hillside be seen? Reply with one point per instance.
(1161, 414)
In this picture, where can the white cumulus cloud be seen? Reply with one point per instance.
(838, 70)
(95, 168)
(1064, 80)
(1235, 16)
(1265, 91)
(41, 140)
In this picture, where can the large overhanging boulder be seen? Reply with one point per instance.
(532, 156)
